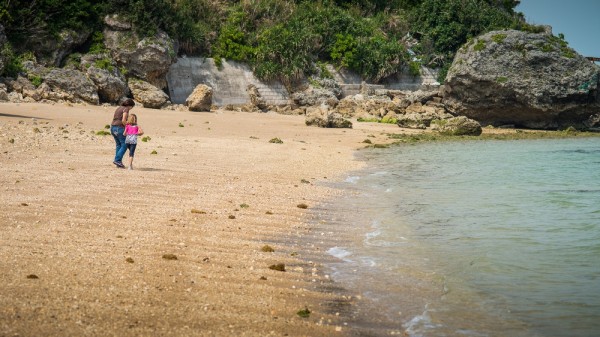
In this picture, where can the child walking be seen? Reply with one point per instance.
(132, 130)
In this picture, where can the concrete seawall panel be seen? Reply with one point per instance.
(229, 82)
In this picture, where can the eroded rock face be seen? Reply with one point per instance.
(256, 100)
(200, 99)
(111, 84)
(69, 85)
(147, 94)
(315, 97)
(525, 79)
(148, 59)
(457, 126)
(322, 117)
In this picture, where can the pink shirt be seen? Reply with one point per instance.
(131, 129)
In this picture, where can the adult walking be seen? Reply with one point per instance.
(117, 129)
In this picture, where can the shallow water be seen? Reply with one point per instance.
(487, 238)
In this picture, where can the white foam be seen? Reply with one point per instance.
(420, 325)
(340, 253)
(352, 179)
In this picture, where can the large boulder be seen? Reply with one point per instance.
(147, 94)
(148, 59)
(256, 100)
(101, 69)
(70, 85)
(322, 117)
(315, 97)
(363, 106)
(3, 92)
(525, 79)
(200, 99)
(419, 116)
(457, 126)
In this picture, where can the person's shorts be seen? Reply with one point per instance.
(131, 148)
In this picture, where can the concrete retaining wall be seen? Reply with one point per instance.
(229, 82)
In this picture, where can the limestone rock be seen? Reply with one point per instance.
(3, 92)
(147, 94)
(361, 105)
(419, 116)
(315, 97)
(111, 84)
(70, 85)
(147, 59)
(457, 126)
(321, 117)
(115, 23)
(200, 99)
(52, 50)
(526, 79)
(255, 98)
(413, 121)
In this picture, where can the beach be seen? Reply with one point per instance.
(175, 247)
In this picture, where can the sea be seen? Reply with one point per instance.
(472, 238)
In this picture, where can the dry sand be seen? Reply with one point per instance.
(82, 243)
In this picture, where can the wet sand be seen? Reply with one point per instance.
(89, 249)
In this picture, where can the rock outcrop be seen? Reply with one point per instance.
(70, 85)
(147, 94)
(256, 100)
(147, 59)
(112, 85)
(524, 79)
(322, 117)
(324, 92)
(200, 99)
(457, 126)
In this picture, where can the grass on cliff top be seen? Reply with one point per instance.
(506, 134)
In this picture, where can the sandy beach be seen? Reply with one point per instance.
(175, 246)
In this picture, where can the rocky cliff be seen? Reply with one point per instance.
(524, 79)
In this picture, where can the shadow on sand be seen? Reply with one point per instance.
(20, 116)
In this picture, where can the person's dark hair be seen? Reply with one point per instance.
(128, 102)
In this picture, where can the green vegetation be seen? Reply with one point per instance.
(516, 134)
(304, 313)
(479, 46)
(104, 63)
(35, 80)
(280, 39)
(267, 249)
(498, 38)
(276, 141)
(278, 267)
(501, 79)
(169, 257)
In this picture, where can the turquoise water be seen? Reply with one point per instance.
(486, 238)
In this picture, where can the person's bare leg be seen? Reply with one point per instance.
(130, 162)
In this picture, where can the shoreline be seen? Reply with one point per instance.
(76, 260)
(214, 195)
